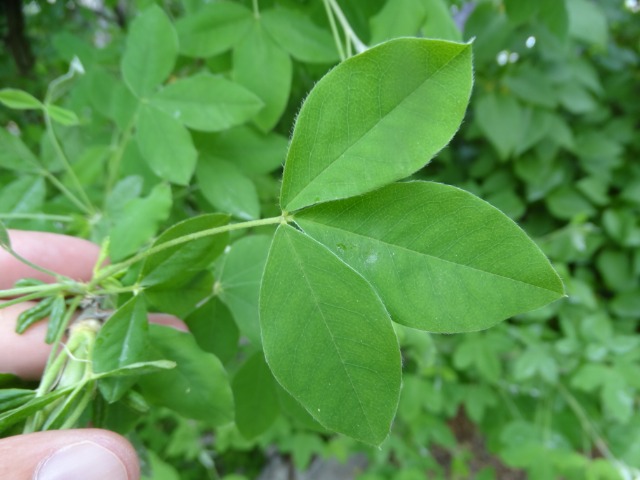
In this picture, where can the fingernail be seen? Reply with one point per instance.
(82, 461)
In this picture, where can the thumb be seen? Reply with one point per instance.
(86, 454)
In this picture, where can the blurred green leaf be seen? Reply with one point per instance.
(256, 399)
(197, 388)
(215, 28)
(62, 115)
(215, 331)
(150, 52)
(208, 103)
(166, 145)
(227, 188)
(138, 221)
(260, 65)
(19, 99)
(239, 273)
(295, 33)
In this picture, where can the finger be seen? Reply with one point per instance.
(69, 256)
(168, 321)
(87, 454)
(25, 355)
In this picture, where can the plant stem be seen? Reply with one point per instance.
(33, 296)
(46, 288)
(346, 26)
(334, 31)
(116, 159)
(115, 268)
(256, 9)
(35, 216)
(65, 161)
(65, 191)
(587, 426)
(51, 369)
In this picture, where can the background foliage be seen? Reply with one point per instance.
(550, 139)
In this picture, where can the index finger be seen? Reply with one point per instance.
(69, 256)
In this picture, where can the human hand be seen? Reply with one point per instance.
(85, 454)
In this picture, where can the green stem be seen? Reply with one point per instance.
(346, 27)
(65, 161)
(113, 269)
(33, 296)
(111, 291)
(46, 288)
(587, 426)
(79, 409)
(35, 216)
(334, 31)
(50, 368)
(116, 159)
(256, 9)
(65, 191)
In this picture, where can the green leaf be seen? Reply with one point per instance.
(400, 18)
(587, 22)
(56, 316)
(36, 404)
(14, 397)
(239, 273)
(328, 339)
(251, 151)
(121, 341)
(264, 68)
(182, 297)
(566, 202)
(197, 388)
(519, 11)
(214, 29)
(376, 118)
(150, 52)
(166, 145)
(214, 329)
(138, 221)
(627, 304)
(62, 115)
(138, 368)
(554, 15)
(28, 317)
(440, 22)
(181, 262)
(24, 195)
(208, 103)
(502, 120)
(19, 99)
(295, 33)
(531, 85)
(227, 188)
(440, 258)
(14, 155)
(256, 397)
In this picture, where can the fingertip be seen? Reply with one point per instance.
(85, 454)
(168, 321)
(69, 256)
